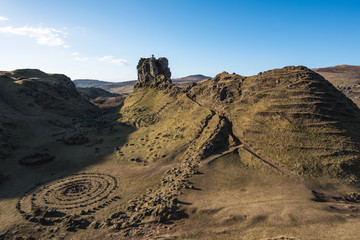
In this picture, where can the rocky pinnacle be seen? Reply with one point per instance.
(153, 72)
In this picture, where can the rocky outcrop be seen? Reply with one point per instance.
(64, 85)
(221, 139)
(154, 73)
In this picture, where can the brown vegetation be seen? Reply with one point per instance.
(272, 156)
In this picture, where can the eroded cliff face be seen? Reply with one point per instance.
(153, 72)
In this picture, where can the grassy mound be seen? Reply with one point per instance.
(31, 99)
(292, 116)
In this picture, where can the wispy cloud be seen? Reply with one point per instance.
(42, 35)
(2, 18)
(114, 60)
(106, 59)
(82, 59)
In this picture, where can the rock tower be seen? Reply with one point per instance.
(153, 72)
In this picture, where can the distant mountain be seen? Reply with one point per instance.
(341, 74)
(94, 92)
(182, 82)
(127, 86)
(345, 77)
(108, 86)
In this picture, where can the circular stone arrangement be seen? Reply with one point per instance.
(86, 192)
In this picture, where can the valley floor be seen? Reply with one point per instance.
(236, 196)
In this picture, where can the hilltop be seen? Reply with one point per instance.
(270, 156)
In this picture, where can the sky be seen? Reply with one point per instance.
(104, 39)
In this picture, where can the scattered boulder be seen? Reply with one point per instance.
(36, 159)
(95, 224)
(73, 222)
(352, 197)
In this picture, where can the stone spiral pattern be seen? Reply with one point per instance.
(78, 191)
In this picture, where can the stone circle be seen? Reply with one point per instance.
(84, 192)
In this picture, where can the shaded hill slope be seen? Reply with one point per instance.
(29, 97)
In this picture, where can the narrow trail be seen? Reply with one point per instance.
(215, 156)
(269, 163)
(319, 196)
(280, 169)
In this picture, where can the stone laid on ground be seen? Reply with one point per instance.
(85, 192)
(36, 159)
(77, 139)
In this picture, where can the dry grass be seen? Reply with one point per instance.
(290, 116)
(240, 198)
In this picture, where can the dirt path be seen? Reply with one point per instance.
(273, 165)
(213, 157)
(267, 162)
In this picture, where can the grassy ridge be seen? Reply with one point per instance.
(292, 116)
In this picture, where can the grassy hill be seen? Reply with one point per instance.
(271, 156)
(291, 115)
(30, 99)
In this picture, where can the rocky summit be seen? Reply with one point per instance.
(270, 156)
(153, 72)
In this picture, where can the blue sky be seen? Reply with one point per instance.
(104, 39)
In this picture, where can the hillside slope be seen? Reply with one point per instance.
(290, 119)
(29, 97)
(291, 115)
(271, 156)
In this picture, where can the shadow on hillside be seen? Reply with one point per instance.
(100, 126)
